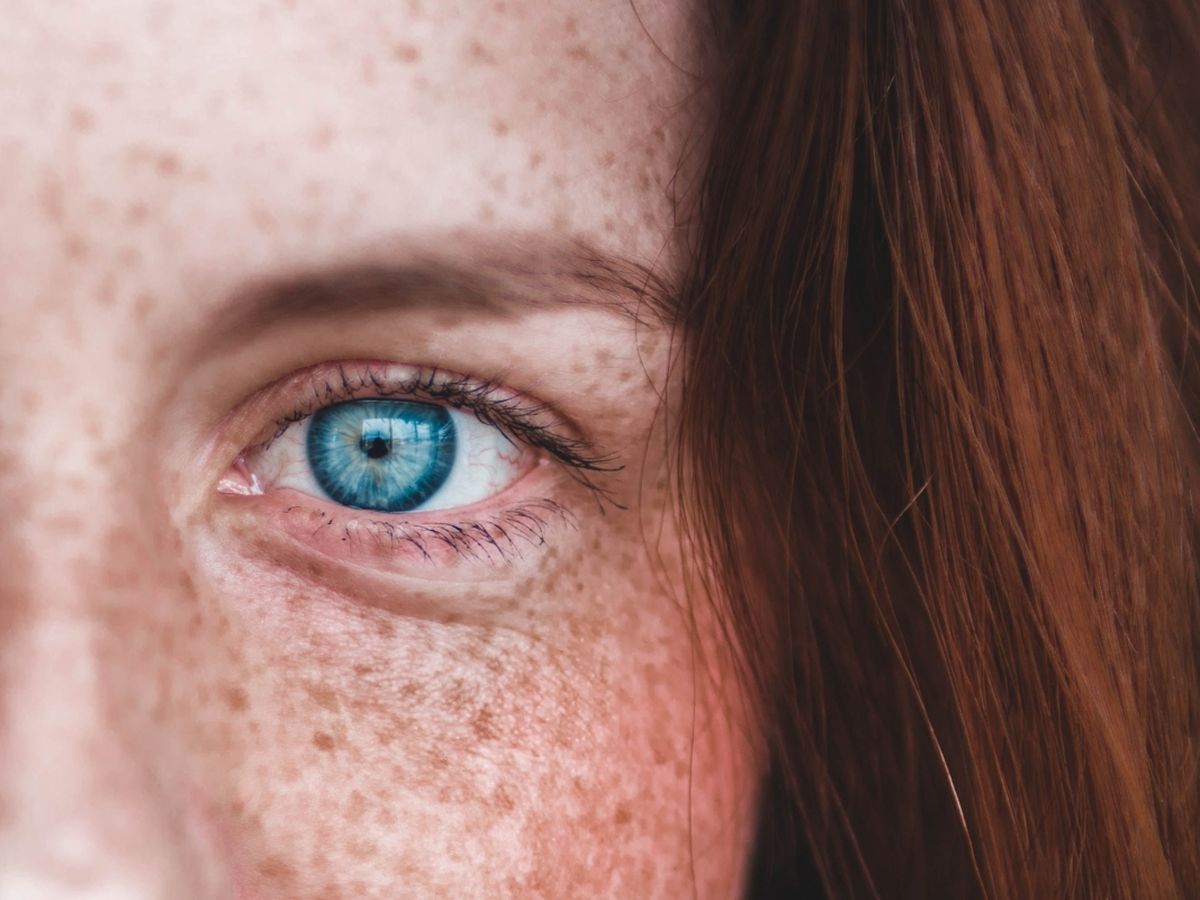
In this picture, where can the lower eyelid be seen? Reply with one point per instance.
(497, 537)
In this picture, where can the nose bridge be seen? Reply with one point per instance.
(92, 802)
(78, 810)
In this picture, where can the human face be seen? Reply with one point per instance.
(221, 217)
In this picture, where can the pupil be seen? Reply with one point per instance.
(377, 448)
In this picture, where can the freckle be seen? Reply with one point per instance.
(500, 127)
(82, 119)
(51, 197)
(323, 696)
(499, 185)
(76, 247)
(385, 629)
(314, 570)
(385, 817)
(276, 869)
(535, 161)
(406, 53)
(91, 428)
(323, 742)
(168, 164)
(129, 258)
(481, 54)
(28, 400)
(483, 725)
(356, 807)
(503, 799)
(511, 603)
(486, 213)
(384, 738)
(571, 25)
(579, 52)
(263, 220)
(142, 307)
(623, 815)
(235, 698)
(137, 213)
(322, 136)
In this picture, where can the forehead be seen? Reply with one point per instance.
(210, 140)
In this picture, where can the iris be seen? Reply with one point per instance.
(384, 455)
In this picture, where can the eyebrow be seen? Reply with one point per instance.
(492, 282)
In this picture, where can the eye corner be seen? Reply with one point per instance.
(239, 481)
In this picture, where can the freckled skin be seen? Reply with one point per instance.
(185, 709)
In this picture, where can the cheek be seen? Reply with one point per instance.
(349, 750)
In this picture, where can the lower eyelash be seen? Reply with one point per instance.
(496, 539)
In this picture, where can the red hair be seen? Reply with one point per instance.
(938, 422)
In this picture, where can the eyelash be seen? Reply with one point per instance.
(493, 539)
(519, 419)
(489, 403)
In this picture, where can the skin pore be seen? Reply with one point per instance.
(221, 216)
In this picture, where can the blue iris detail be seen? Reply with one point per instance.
(385, 455)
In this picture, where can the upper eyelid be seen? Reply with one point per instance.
(526, 419)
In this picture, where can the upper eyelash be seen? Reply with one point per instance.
(491, 405)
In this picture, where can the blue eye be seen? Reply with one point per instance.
(378, 454)
(390, 455)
